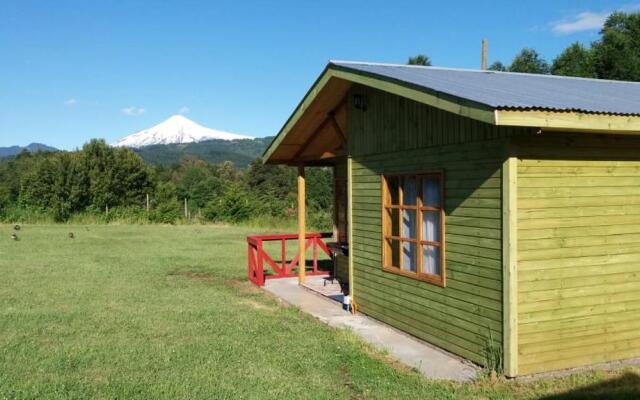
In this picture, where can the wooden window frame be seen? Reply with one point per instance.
(439, 280)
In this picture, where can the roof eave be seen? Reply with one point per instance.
(556, 120)
(553, 120)
(420, 94)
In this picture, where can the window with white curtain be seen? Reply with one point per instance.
(413, 226)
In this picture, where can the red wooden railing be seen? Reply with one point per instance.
(282, 269)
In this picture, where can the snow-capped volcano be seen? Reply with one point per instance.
(176, 129)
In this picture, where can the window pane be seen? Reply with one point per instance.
(409, 193)
(395, 253)
(409, 257)
(409, 224)
(431, 191)
(431, 226)
(431, 260)
(393, 185)
(393, 219)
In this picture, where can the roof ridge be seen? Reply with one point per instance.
(337, 62)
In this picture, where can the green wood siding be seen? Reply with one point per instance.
(342, 268)
(399, 135)
(578, 250)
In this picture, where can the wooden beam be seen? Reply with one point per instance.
(336, 126)
(570, 121)
(510, 265)
(332, 154)
(306, 144)
(301, 225)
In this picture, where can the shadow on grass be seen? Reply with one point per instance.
(624, 387)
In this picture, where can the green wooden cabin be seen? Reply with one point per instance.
(486, 213)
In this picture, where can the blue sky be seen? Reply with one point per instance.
(71, 71)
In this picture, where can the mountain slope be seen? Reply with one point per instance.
(176, 130)
(240, 152)
(32, 148)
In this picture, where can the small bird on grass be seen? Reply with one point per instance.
(17, 227)
(14, 236)
(71, 236)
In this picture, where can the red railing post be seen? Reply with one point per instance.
(260, 264)
(315, 255)
(283, 255)
(249, 262)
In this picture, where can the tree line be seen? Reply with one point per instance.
(110, 183)
(614, 55)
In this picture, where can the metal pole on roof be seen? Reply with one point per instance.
(483, 61)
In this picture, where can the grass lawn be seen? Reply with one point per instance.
(165, 312)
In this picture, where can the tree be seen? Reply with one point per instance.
(98, 159)
(528, 60)
(233, 206)
(617, 54)
(167, 208)
(117, 176)
(419, 59)
(497, 66)
(271, 186)
(197, 181)
(575, 60)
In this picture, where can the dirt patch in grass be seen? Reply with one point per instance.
(195, 275)
(354, 393)
(257, 306)
(242, 286)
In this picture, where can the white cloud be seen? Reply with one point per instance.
(183, 110)
(584, 21)
(587, 20)
(133, 111)
(70, 102)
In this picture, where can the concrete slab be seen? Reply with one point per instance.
(432, 362)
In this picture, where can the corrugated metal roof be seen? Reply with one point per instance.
(506, 90)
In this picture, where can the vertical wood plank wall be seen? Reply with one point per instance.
(398, 135)
(578, 250)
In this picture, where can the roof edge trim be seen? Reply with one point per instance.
(569, 120)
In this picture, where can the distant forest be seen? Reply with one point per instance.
(240, 152)
(103, 183)
(614, 55)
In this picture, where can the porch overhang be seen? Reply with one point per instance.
(316, 131)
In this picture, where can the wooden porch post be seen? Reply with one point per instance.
(350, 226)
(301, 225)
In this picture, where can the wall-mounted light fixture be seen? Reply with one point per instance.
(359, 103)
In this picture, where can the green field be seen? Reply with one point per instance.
(165, 312)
